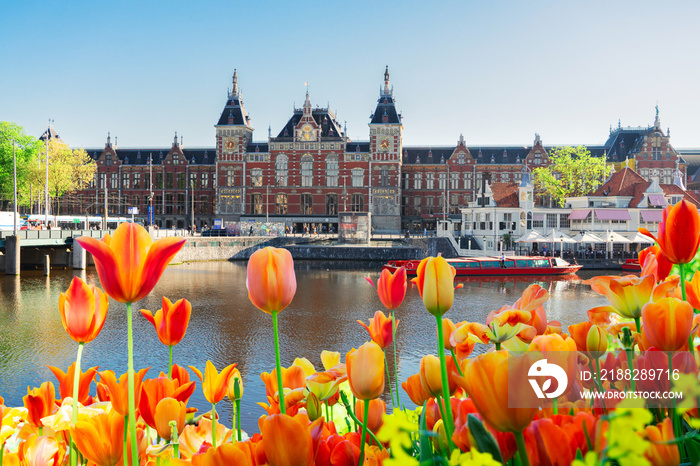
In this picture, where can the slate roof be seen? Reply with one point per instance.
(385, 106)
(197, 156)
(257, 147)
(359, 146)
(234, 107)
(506, 155)
(324, 118)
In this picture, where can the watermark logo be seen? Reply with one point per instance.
(541, 369)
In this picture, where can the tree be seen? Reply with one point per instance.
(69, 170)
(573, 172)
(28, 153)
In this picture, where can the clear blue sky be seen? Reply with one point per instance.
(496, 71)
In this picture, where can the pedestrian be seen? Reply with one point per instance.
(425, 231)
(503, 260)
(251, 231)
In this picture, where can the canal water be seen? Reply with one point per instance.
(226, 328)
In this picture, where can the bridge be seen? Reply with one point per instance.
(50, 238)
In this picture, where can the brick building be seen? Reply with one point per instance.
(310, 171)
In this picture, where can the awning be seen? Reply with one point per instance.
(652, 215)
(612, 214)
(538, 216)
(657, 200)
(579, 214)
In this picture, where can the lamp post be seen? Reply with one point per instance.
(484, 240)
(46, 187)
(14, 187)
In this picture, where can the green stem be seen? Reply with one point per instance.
(76, 393)
(280, 387)
(555, 406)
(691, 337)
(631, 368)
(170, 363)
(2, 452)
(213, 425)
(174, 440)
(522, 452)
(388, 375)
(364, 433)
(125, 452)
(396, 367)
(498, 346)
(637, 324)
(445, 387)
(672, 409)
(454, 358)
(238, 419)
(600, 382)
(131, 391)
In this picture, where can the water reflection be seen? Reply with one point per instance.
(226, 328)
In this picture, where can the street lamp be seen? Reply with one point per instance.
(484, 240)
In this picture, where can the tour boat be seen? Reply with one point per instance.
(491, 266)
(632, 265)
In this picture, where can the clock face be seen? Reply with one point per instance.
(307, 133)
(385, 144)
(230, 145)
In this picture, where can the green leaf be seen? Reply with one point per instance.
(485, 442)
(693, 446)
(426, 446)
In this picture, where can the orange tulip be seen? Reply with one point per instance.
(447, 328)
(661, 452)
(391, 288)
(130, 263)
(215, 384)
(83, 310)
(100, 438)
(661, 268)
(41, 451)
(486, 382)
(169, 409)
(235, 386)
(531, 301)
(65, 383)
(225, 454)
(679, 232)
(292, 377)
(377, 409)
(170, 321)
(271, 280)
(379, 329)
(431, 375)
(626, 294)
(154, 390)
(117, 390)
(413, 387)
(435, 281)
(693, 290)
(287, 441)
(667, 323)
(39, 402)
(193, 437)
(365, 367)
(589, 338)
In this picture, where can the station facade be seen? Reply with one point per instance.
(311, 171)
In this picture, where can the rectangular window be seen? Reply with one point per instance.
(417, 181)
(204, 183)
(193, 181)
(158, 205)
(331, 204)
(406, 181)
(204, 205)
(114, 181)
(180, 181)
(281, 204)
(230, 177)
(429, 180)
(564, 221)
(137, 180)
(256, 201)
(256, 177)
(551, 220)
(307, 204)
(181, 204)
(357, 177)
(169, 178)
(125, 181)
(442, 180)
(454, 181)
(357, 203)
(103, 180)
(169, 204)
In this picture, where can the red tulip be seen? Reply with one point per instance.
(679, 232)
(170, 321)
(39, 402)
(83, 310)
(391, 288)
(380, 329)
(667, 323)
(65, 383)
(130, 263)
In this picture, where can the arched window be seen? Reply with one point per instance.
(358, 177)
(307, 170)
(281, 169)
(384, 176)
(332, 170)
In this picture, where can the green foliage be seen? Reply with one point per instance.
(27, 151)
(69, 169)
(573, 172)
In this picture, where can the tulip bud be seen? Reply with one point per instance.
(440, 440)
(313, 407)
(596, 342)
(447, 328)
(627, 339)
(365, 366)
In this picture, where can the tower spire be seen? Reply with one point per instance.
(386, 90)
(657, 122)
(234, 91)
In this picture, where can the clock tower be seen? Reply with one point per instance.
(385, 142)
(233, 134)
